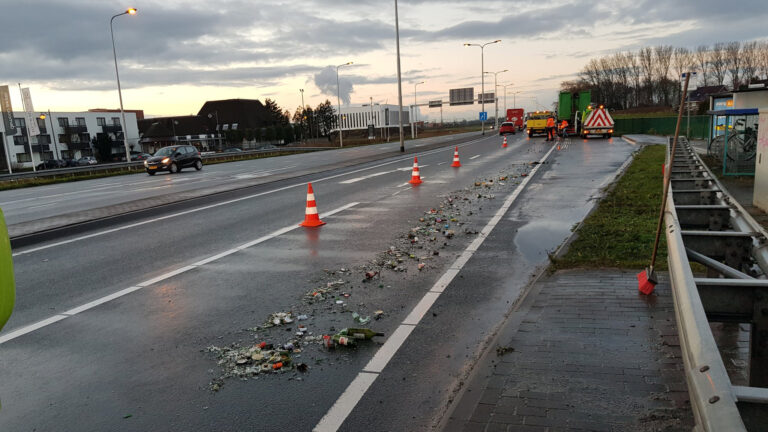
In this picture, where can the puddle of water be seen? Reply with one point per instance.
(535, 239)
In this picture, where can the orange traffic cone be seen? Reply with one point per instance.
(456, 162)
(505, 142)
(311, 218)
(415, 177)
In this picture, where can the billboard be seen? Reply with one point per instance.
(486, 97)
(7, 110)
(435, 103)
(461, 96)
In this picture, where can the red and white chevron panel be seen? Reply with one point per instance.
(599, 118)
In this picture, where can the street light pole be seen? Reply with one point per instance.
(482, 76)
(496, 96)
(338, 102)
(399, 82)
(415, 107)
(129, 11)
(53, 133)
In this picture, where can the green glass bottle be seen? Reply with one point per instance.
(359, 333)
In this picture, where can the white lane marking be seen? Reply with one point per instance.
(338, 412)
(357, 179)
(76, 310)
(30, 328)
(388, 350)
(441, 163)
(353, 395)
(474, 157)
(194, 210)
(43, 205)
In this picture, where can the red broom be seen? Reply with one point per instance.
(646, 279)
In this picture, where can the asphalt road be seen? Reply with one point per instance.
(28, 204)
(111, 326)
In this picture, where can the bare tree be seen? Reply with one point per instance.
(682, 61)
(663, 54)
(733, 61)
(762, 59)
(645, 60)
(702, 62)
(749, 61)
(717, 62)
(634, 75)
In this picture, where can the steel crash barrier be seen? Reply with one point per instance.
(139, 165)
(705, 225)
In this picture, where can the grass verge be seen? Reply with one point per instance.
(621, 230)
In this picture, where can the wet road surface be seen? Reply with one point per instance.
(116, 325)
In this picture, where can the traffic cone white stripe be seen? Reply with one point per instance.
(310, 197)
(311, 210)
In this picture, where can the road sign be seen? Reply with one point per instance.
(435, 103)
(483, 116)
(461, 96)
(486, 97)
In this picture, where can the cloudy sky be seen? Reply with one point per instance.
(176, 54)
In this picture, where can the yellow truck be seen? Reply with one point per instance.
(537, 122)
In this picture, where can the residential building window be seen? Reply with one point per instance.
(23, 157)
(116, 121)
(85, 137)
(225, 126)
(20, 140)
(80, 121)
(43, 139)
(19, 122)
(234, 126)
(66, 154)
(64, 138)
(63, 122)
(47, 155)
(101, 121)
(41, 124)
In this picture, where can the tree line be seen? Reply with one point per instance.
(650, 76)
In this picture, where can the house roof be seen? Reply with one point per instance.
(247, 113)
(182, 125)
(702, 93)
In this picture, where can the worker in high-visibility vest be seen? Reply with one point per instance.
(550, 128)
(563, 128)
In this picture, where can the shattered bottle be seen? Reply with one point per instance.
(359, 333)
(343, 340)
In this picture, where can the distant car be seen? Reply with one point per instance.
(51, 164)
(232, 150)
(173, 159)
(507, 127)
(87, 160)
(140, 156)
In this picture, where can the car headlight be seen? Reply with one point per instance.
(166, 160)
(146, 163)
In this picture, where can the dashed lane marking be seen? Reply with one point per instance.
(340, 410)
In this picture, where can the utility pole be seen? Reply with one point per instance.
(399, 82)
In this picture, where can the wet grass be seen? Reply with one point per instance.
(621, 230)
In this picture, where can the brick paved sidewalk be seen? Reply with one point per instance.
(585, 351)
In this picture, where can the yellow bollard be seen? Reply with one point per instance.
(7, 285)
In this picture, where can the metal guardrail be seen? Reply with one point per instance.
(139, 165)
(704, 224)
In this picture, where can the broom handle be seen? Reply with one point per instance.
(668, 171)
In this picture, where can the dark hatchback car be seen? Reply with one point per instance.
(173, 159)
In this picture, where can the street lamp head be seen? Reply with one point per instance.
(497, 41)
(505, 70)
(131, 11)
(42, 116)
(467, 44)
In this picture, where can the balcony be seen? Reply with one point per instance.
(75, 129)
(40, 148)
(111, 128)
(78, 146)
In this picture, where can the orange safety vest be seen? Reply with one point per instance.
(563, 124)
(550, 122)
